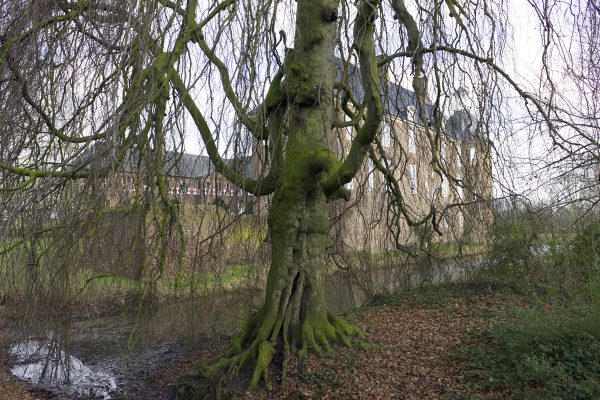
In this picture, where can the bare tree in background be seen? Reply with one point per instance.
(563, 162)
(570, 85)
(88, 88)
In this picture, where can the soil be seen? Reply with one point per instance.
(410, 360)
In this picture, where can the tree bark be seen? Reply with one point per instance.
(294, 314)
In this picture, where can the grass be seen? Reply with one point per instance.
(231, 275)
(526, 346)
(541, 340)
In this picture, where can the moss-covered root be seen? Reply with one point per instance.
(314, 336)
(317, 335)
(266, 351)
(203, 382)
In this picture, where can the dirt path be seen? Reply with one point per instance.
(410, 362)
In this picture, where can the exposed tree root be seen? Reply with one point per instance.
(251, 348)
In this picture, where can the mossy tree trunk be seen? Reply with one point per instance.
(294, 314)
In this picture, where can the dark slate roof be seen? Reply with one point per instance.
(175, 164)
(198, 166)
(187, 165)
(397, 100)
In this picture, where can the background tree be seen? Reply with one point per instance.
(89, 88)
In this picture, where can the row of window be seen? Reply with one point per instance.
(386, 134)
(413, 183)
(203, 188)
(197, 192)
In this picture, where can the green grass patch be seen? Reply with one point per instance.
(232, 275)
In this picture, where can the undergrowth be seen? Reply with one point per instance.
(550, 348)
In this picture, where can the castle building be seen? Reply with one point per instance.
(460, 192)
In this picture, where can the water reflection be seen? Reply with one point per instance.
(47, 364)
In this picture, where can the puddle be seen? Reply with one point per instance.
(46, 364)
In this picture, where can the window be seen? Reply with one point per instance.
(461, 219)
(473, 156)
(207, 188)
(386, 134)
(410, 114)
(458, 162)
(182, 188)
(412, 145)
(412, 170)
(350, 185)
(371, 177)
(442, 152)
(445, 187)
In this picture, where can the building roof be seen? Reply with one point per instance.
(199, 166)
(176, 163)
(397, 100)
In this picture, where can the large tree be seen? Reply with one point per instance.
(85, 84)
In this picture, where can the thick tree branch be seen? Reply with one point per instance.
(363, 33)
(257, 187)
